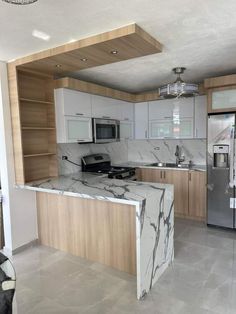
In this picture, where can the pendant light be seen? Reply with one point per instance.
(179, 88)
(20, 2)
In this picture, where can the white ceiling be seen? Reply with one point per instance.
(200, 35)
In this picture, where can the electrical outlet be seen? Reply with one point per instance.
(64, 157)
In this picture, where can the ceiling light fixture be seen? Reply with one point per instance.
(84, 59)
(58, 65)
(114, 52)
(20, 2)
(178, 88)
(41, 35)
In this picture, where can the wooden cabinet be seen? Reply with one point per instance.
(200, 116)
(189, 189)
(141, 120)
(34, 132)
(197, 194)
(179, 179)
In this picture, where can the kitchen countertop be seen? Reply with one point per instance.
(149, 165)
(97, 186)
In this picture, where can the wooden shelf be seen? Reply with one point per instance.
(36, 128)
(37, 101)
(39, 155)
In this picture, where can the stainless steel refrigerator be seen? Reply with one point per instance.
(221, 179)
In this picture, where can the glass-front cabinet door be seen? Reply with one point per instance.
(161, 129)
(223, 99)
(78, 129)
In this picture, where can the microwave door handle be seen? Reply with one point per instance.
(117, 131)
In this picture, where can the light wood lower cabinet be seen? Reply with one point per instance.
(197, 194)
(180, 181)
(189, 189)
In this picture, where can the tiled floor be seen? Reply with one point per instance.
(201, 280)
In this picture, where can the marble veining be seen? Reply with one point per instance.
(142, 151)
(154, 216)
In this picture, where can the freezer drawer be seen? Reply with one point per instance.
(219, 212)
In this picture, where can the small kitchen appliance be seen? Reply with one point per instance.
(106, 130)
(101, 163)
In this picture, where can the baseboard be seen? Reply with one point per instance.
(20, 248)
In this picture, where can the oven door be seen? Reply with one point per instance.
(105, 131)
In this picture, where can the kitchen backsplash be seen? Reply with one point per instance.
(133, 150)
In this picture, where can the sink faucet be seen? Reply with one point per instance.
(179, 156)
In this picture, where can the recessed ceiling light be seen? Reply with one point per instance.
(58, 65)
(41, 35)
(114, 52)
(84, 59)
(21, 2)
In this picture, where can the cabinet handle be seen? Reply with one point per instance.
(126, 119)
(189, 176)
(164, 174)
(167, 117)
(106, 117)
(146, 134)
(79, 114)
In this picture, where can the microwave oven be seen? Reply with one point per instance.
(106, 130)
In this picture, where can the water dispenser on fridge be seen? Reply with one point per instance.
(221, 156)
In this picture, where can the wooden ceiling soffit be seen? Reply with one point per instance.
(129, 41)
(220, 81)
(96, 89)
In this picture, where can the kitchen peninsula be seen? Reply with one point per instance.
(125, 224)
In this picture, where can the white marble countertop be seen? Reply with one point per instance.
(97, 186)
(149, 165)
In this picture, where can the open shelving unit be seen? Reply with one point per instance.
(37, 121)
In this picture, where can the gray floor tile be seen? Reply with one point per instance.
(201, 280)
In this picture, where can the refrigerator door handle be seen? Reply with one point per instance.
(232, 159)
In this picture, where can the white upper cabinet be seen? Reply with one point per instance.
(171, 108)
(74, 103)
(127, 111)
(107, 108)
(161, 109)
(200, 116)
(184, 107)
(73, 116)
(141, 120)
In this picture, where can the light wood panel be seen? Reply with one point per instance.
(92, 88)
(180, 181)
(96, 89)
(16, 124)
(130, 41)
(40, 167)
(197, 194)
(220, 81)
(97, 230)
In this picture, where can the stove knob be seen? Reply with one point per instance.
(119, 176)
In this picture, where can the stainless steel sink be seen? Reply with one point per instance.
(168, 165)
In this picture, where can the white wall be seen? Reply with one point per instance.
(19, 206)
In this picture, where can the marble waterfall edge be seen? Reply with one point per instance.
(154, 216)
(155, 225)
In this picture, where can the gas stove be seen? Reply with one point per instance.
(101, 163)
